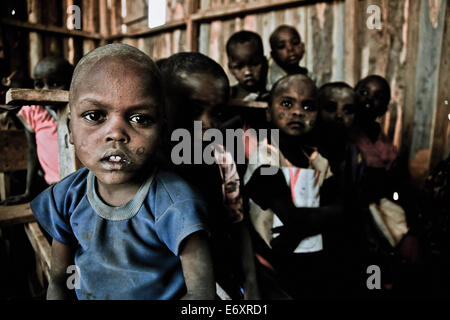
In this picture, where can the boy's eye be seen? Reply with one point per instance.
(38, 84)
(55, 84)
(237, 66)
(141, 119)
(93, 116)
(364, 92)
(309, 106)
(349, 109)
(197, 110)
(286, 104)
(330, 107)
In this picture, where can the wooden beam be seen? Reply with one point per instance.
(40, 245)
(178, 24)
(243, 8)
(15, 214)
(16, 96)
(41, 28)
(248, 104)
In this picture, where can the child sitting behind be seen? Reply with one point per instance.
(337, 108)
(133, 231)
(197, 90)
(379, 182)
(248, 65)
(287, 49)
(41, 128)
(292, 206)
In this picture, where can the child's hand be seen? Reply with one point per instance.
(287, 241)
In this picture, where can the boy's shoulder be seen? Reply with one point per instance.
(175, 187)
(65, 194)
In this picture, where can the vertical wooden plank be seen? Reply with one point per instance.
(214, 40)
(351, 61)
(338, 40)
(192, 28)
(321, 23)
(87, 7)
(431, 26)
(5, 185)
(104, 18)
(413, 13)
(66, 152)
(35, 45)
(204, 36)
(441, 136)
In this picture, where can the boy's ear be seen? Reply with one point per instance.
(68, 123)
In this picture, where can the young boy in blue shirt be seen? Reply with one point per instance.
(133, 230)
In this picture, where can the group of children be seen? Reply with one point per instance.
(137, 226)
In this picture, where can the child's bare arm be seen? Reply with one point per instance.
(62, 258)
(251, 289)
(197, 268)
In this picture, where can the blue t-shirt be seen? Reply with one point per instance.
(128, 252)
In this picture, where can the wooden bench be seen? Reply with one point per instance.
(13, 158)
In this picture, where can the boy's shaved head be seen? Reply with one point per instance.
(116, 52)
(373, 95)
(327, 89)
(185, 63)
(284, 27)
(287, 81)
(54, 64)
(243, 37)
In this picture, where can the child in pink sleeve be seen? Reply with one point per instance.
(40, 124)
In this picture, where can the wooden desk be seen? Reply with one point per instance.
(15, 214)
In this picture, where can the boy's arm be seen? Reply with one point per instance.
(62, 258)
(197, 267)
(251, 289)
(298, 223)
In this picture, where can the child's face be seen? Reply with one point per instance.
(202, 97)
(372, 99)
(337, 107)
(47, 76)
(293, 109)
(288, 49)
(114, 121)
(246, 66)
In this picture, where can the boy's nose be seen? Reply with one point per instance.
(116, 130)
(298, 111)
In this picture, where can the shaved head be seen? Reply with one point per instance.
(288, 81)
(116, 52)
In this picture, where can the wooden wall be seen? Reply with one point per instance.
(411, 49)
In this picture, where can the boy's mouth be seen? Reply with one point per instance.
(293, 59)
(115, 160)
(296, 125)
